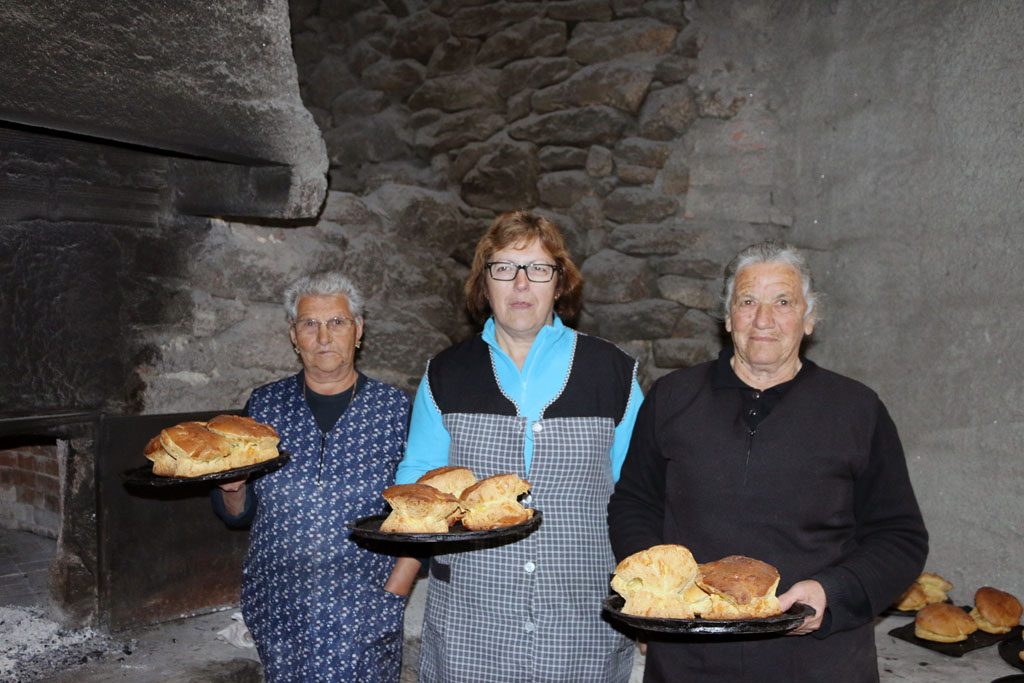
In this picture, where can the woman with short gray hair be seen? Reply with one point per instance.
(765, 454)
(320, 607)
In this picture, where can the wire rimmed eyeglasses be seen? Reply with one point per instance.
(535, 272)
(310, 327)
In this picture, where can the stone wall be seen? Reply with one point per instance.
(439, 115)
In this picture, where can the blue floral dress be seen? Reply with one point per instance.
(313, 599)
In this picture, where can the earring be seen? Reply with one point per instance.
(296, 350)
(359, 343)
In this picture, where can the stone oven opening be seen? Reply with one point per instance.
(29, 517)
(120, 148)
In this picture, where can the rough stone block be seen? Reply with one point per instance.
(490, 18)
(474, 89)
(684, 353)
(638, 205)
(620, 84)
(562, 189)
(601, 41)
(614, 278)
(642, 319)
(453, 55)
(535, 37)
(584, 126)
(505, 177)
(647, 240)
(580, 10)
(535, 73)
(689, 292)
(668, 113)
(561, 158)
(457, 130)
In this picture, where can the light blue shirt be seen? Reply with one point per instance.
(532, 388)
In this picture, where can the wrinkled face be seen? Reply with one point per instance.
(325, 352)
(521, 307)
(766, 318)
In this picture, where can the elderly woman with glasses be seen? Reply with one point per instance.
(532, 397)
(320, 607)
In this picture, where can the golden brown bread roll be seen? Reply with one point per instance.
(418, 508)
(698, 599)
(251, 441)
(493, 502)
(657, 582)
(740, 587)
(995, 611)
(913, 599)
(163, 462)
(450, 479)
(943, 623)
(934, 586)
(192, 449)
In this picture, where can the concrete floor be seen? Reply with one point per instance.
(188, 650)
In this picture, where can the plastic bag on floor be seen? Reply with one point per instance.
(238, 633)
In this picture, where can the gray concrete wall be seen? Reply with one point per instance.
(890, 138)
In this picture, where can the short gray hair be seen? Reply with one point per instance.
(327, 283)
(771, 251)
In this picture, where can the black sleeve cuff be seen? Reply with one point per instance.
(242, 521)
(847, 602)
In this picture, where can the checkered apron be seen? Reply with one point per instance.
(530, 611)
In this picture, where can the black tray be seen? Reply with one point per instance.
(369, 528)
(975, 641)
(1011, 647)
(786, 621)
(143, 476)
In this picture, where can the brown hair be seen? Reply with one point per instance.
(520, 227)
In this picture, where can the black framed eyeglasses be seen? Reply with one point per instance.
(535, 272)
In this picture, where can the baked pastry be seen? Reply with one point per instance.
(493, 502)
(934, 586)
(740, 588)
(192, 449)
(450, 479)
(251, 441)
(943, 623)
(418, 508)
(913, 599)
(995, 611)
(698, 599)
(654, 582)
(927, 589)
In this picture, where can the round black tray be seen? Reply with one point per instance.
(786, 621)
(143, 476)
(1010, 648)
(369, 528)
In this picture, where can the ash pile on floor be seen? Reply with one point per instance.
(33, 647)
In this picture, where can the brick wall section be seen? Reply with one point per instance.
(30, 489)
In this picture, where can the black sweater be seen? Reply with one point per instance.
(818, 488)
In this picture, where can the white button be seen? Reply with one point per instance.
(529, 567)
(529, 627)
(538, 427)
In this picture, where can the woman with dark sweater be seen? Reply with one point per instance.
(763, 453)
